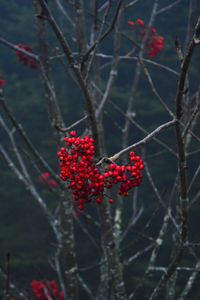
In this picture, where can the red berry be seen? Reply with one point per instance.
(72, 133)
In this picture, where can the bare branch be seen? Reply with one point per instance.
(141, 128)
(139, 253)
(170, 6)
(190, 281)
(16, 48)
(105, 34)
(71, 126)
(142, 142)
(181, 166)
(31, 188)
(114, 65)
(27, 141)
(77, 73)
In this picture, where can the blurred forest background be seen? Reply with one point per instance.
(24, 232)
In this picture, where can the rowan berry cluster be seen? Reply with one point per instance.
(128, 176)
(87, 181)
(2, 82)
(27, 61)
(154, 43)
(45, 179)
(47, 290)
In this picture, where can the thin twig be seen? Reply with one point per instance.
(142, 142)
(168, 7)
(105, 34)
(66, 129)
(141, 128)
(27, 141)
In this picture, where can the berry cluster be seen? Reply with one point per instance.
(155, 42)
(88, 181)
(27, 61)
(138, 22)
(2, 82)
(128, 176)
(45, 179)
(46, 291)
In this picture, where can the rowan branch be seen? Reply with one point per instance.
(183, 190)
(105, 34)
(142, 142)
(76, 71)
